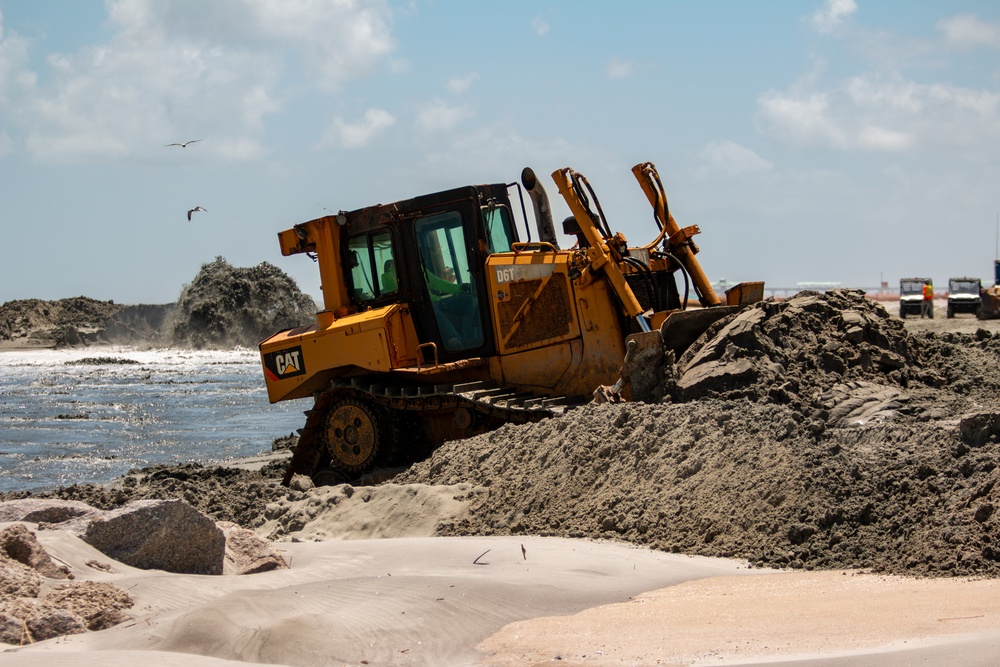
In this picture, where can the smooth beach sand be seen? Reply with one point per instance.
(484, 601)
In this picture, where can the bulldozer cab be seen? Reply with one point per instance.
(429, 253)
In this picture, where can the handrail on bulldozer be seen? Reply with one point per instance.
(524, 246)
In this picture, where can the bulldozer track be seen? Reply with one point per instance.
(485, 397)
(505, 404)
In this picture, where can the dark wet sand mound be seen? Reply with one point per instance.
(812, 433)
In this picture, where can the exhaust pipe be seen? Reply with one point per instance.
(540, 201)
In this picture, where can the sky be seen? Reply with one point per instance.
(834, 141)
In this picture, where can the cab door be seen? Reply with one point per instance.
(452, 241)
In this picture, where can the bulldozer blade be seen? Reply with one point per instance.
(682, 327)
(642, 372)
(641, 375)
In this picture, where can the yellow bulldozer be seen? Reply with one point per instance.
(990, 298)
(440, 321)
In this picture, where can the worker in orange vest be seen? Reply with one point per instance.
(927, 307)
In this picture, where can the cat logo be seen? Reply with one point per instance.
(285, 363)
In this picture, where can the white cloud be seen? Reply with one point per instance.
(900, 96)
(734, 159)
(968, 30)
(13, 63)
(867, 113)
(876, 138)
(113, 100)
(618, 68)
(459, 84)
(170, 70)
(539, 25)
(256, 103)
(832, 14)
(439, 116)
(339, 40)
(360, 134)
(800, 118)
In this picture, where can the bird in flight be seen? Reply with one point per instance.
(195, 210)
(185, 144)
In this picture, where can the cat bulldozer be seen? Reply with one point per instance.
(989, 308)
(440, 321)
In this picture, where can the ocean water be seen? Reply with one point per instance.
(71, 416)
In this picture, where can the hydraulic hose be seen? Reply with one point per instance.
(647, 276)
(687, 278)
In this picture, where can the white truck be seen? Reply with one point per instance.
(911, 296)
(964, 295)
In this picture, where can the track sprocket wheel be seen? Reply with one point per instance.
(353, 433)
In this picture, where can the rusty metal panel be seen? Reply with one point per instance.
(537, 310)
(532, 300)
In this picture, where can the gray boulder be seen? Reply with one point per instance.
(166, 535)
(47, 624)
(11, 630)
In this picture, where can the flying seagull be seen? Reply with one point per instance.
(195, 210)
(185, 144)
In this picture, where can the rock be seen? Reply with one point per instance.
(160, 534)
(301, 483)
(247, 552)
(981, 428)
(16, 578)
(11, 630)
(102, 566)
(47, 510)
(54, 623)
(98, 604)
(21, 545)
(106, 618)
(285, 443)
(55, 322)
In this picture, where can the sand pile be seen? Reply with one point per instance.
(794, 352)
(823, 435)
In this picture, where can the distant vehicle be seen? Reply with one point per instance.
(964, 295)
(990, 307)
(911, 296)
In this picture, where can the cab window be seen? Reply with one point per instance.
(499, 228)
(449, 282)
(372, 263)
